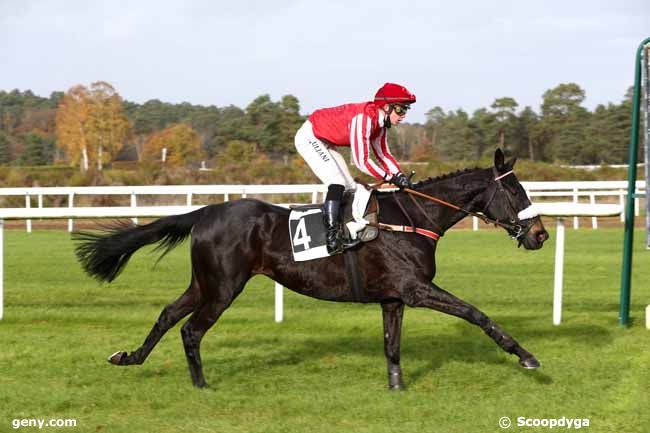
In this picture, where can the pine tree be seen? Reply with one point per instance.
(36, 150)
(5, 149)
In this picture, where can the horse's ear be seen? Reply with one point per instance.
(499, 159)
(511, 163)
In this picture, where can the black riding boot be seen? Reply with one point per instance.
(331, 214)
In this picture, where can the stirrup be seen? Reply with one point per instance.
(347, 244)
(342, 244)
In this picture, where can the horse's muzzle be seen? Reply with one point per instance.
(535, 236)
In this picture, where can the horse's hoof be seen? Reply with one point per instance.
(116, 358)
(529, 363)
(395, 381)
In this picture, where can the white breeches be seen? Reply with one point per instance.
(330, 167)
(325, 162)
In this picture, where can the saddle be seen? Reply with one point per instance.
(313, 222)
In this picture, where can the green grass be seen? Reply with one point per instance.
(323, 369)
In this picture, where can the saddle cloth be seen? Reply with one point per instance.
(307, 231)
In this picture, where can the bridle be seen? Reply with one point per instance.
(516, 228)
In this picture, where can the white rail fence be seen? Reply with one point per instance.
(572, 192)
(184, 193)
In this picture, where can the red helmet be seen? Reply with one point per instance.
(391, 93)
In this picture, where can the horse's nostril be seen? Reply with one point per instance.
(542, 236)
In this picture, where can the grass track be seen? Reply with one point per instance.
(323, 369)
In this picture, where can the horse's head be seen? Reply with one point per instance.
(506, 201)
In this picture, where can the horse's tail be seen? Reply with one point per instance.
(104, 254)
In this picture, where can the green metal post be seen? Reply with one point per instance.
(626, 271)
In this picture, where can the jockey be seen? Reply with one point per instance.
(362, 126)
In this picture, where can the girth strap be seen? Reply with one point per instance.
(353, 275)
(397, 228)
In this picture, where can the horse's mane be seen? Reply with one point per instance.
(456, 173)
(436, 179)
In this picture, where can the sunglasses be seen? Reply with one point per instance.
(401, 110)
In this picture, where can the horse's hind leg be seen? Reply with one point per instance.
(169, 316)
(431, 296)
(202, 320)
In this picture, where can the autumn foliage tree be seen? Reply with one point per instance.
(179, 144)
(107, 124)
(90, 124)
(71, 119)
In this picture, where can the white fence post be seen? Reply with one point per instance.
(40, 201)
(279, 302)
(70, 205)
(2, 278)
(575, 200)
(559, 272)
(621, 200)
(134, 203)
(474, 223)
(28, 205)
(594, 220)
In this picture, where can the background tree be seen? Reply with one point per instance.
(206, 123)
(433, 126)
(91, 125)
(107, 126)
(183, 146)
(564, 121)
(272, 125)
(484, 125)
(503, 110)
(459, 139)
(562, 130)
(229, 127)
(36, 150)
(71, 118)
(239, 152)
(290, 122)
(608, 131)
(262, 124)
(148, 118)
(5, 149)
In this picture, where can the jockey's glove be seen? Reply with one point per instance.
(402, 181)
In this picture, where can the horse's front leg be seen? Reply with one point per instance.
(431, 296)
(393, 313)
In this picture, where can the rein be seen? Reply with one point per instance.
(518, 230)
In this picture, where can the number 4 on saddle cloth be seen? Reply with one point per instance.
(307, 231)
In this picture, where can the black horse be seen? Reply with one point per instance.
(235, 240)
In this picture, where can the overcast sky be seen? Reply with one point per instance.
(453, 53)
